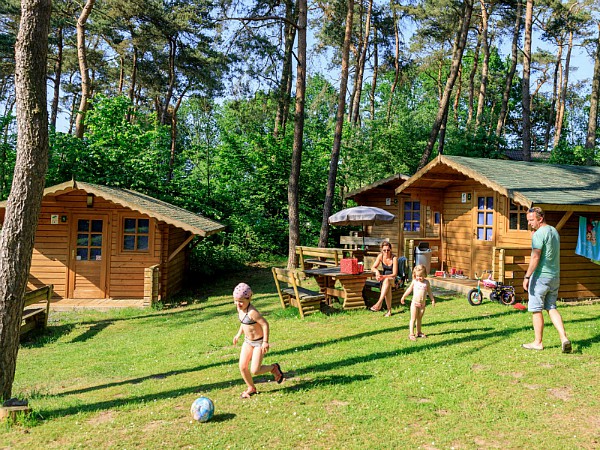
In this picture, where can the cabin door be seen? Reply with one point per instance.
(87, 274)
(484, 231)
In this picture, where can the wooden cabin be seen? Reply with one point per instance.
(99, 242)
(479, 207)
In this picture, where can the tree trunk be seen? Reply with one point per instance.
(590, 141)
(172, 55)
(293, 211)
(285, 85)
(339, 126)
(485, 67)
(375, 73)
(471, 100)
(442, 114)
(525, 85)
(555, 90)
(25, 199)
(57, 75)
(511, 72)
(86, 87)
(458, 94)
(360, 68)
(396, 67)
(560, 113)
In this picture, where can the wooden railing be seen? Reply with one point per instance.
(509, 265)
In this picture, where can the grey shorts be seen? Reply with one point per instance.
(256, 344)
(543, 293)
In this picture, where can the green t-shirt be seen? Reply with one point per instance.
(548, 241)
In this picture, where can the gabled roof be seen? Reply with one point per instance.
(163, 211)
(527, 183)
(387, 183)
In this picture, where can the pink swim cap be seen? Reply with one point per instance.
(242, 290)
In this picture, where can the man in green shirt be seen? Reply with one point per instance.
(542, 279)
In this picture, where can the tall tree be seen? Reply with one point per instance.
(485, 68)
(525, 103)
(293, 211)
(442, 113)
(25, 199)
(590, 141)
(360, 67)
(511, 70)
(339, 126)
(86, 84)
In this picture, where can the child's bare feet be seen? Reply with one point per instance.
(277, 373)
(388, 314)
(248, 393)
(412, 337)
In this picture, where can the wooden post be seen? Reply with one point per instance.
(151, 284)
(501, 264)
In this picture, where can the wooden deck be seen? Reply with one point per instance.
(101, 304)
(460, 285)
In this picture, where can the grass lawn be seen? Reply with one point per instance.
(126, 379)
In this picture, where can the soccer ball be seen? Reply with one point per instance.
(202, 409)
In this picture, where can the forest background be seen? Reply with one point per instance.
(203, 104)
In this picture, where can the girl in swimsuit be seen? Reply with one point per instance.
(256, 340)
(420, 288)
(387, 276)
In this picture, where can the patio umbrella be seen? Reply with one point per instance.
(362, 215)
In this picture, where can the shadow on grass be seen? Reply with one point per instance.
(469, 336)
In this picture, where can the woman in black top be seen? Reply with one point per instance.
(386, 276)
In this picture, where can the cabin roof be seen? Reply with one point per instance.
(387, 183)
(142, 203)
(527, 183)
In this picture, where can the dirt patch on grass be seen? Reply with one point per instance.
(103, 417)
(479, 367)
(564, 393)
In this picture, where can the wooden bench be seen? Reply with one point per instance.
(35, 316)
(293, 294)
(318, 256)
(372, 291)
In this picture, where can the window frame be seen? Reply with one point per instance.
(520, 210)
(412, 211)
(121, 242)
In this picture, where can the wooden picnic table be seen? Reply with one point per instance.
(351, 285)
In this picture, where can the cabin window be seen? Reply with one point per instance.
(89, 240)
(136, 235)
(412, 216)
(485, 218)
(517, 217)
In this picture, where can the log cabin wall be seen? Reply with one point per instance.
(51, 251)
(579, 276)
(174, 273)
(126, 268)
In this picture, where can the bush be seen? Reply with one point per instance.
(211, 258)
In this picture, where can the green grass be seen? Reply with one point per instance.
(126, 379)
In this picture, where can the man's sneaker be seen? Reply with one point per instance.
(567, 347)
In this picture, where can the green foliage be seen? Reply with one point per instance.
(574, 155)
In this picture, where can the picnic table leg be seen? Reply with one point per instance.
(353, 287)
(323, 283)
